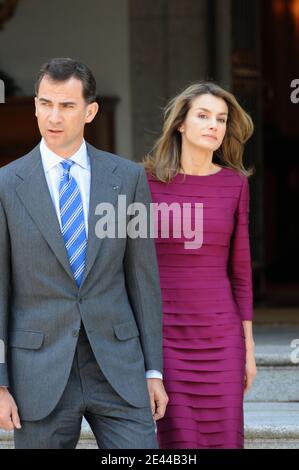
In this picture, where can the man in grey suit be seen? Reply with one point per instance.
(80, 315)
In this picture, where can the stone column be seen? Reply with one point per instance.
(222, 22)
(168, 44)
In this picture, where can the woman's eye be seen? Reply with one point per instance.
(202, 116)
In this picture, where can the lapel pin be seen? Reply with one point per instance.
(115, 187)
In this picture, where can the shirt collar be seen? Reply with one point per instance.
(51, 159)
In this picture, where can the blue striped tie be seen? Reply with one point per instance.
(72, 222)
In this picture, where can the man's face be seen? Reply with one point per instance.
(62, 113)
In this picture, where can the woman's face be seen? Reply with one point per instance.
(205, 124)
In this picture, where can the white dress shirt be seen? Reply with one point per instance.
(81, 172)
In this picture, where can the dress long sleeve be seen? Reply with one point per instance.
(240, 259)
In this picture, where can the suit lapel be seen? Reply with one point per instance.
(105, 187)
(33, 192)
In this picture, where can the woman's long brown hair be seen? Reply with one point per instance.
(164, 162)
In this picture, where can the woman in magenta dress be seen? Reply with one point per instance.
(207, 291)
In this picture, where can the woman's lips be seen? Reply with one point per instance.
(210, 137)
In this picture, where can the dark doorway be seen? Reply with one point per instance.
(280, 66)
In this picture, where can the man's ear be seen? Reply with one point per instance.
(35, 103)
(92, 110)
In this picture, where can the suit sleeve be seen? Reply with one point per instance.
(143, 284)
(4, 294)
(240, 259)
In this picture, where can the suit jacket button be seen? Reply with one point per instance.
(75, 333)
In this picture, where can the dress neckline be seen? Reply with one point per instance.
(201, 176)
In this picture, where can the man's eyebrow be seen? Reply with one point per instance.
(208, 111)
(68, 102)
(45, 100)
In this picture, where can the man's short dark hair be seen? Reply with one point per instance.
(62, 69)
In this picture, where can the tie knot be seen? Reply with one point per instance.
(66, 165)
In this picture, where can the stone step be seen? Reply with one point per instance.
(267, 426)
(271, 407)
(269, 338)
(277, 357)
(272, 425)
(275, 384)
(271, 444)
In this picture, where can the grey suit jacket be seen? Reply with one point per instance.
(41, 308)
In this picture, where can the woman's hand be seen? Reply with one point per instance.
(250, 368)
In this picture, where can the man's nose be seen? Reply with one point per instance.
(55, 116)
